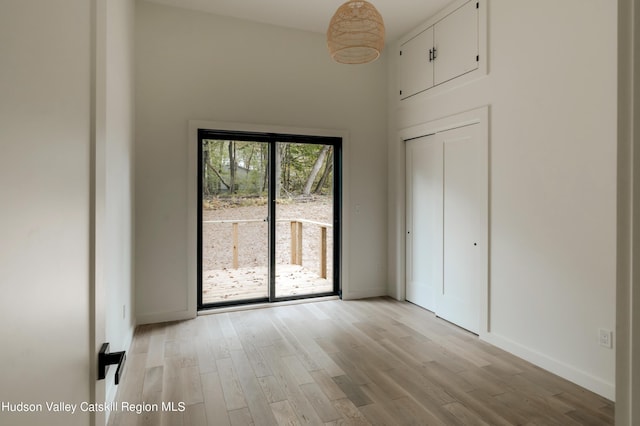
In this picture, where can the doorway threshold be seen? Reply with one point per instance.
(247, 307)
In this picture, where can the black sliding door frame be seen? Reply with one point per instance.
(272, 139)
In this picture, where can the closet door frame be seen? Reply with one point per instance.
(478, 116)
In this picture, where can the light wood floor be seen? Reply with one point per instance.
(375, 361)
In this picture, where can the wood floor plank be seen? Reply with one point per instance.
(419, 387)
(297, 370)
(510, 414)
(152, 381)
(328, 386)
(351, 368)
(155, 352)
(219, 344)
(255, 398)
(463, 415)
(303, 345)
(283, 347)
(233, 395)
(350, 413)
(206, 358)
(152, 394)
(195, 415)
(284, 413)
(408, 350)
(228, 331)
(530, 409)
(352, 391)
(271, 389)
(485, 380)
(258, 364)
(191, 392)
(241, 417)
(480, 409)
(377, 415)
(444, 378)
(375, 361)
(288, 383)
(130, 389)
(582, 406)
(140, 344)
(382, 401)
(214, 403)
(320, 402)
(411, 413)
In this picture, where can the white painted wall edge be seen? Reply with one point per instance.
(192, 195)
(582, 378)
(97, 197)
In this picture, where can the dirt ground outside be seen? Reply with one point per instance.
(221, 282)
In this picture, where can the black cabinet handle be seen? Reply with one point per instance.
(435, 53)
(430, 55)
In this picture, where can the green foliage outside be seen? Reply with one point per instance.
(238, 171)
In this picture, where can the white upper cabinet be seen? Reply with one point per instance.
(441, 52)
(456, 43)
(416, 64)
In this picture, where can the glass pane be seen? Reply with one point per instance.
(235, 255)
(304, 212)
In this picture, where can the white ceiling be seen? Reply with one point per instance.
(399, 16)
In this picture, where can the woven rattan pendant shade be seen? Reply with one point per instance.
(356, 33)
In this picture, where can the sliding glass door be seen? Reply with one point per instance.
(304, 210)
(269, 210)
(234, 229)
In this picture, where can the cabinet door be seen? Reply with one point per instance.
(424, 220)
(465, 227)
(456, 43)
(415, 68)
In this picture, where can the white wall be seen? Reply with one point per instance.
(196, 66)
(119, 146)
(552, 181)
(44, 191)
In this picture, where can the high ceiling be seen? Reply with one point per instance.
(399, 16)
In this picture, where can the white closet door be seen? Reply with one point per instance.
(465, 227)
(424, 193)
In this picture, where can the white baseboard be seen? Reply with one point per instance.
(165, 317)
(579, 377)
(363, 294)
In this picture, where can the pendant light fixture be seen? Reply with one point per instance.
(356, 33)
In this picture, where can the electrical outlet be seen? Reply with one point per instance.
(605, 338)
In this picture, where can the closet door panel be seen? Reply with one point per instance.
(424, 220)
(465, 227)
